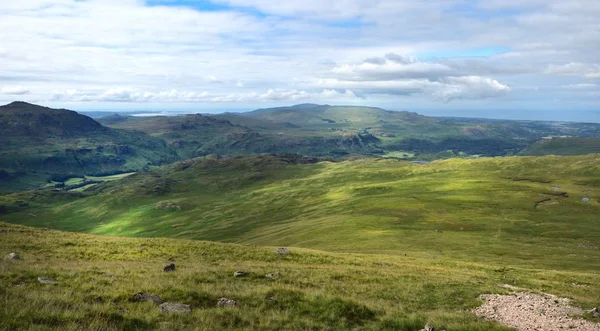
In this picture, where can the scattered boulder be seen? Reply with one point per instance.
(595, 312)
(43, 280)
(428, 327)
(272, 275)
(12, 256)
(241, 273)
(177, 308)
(167, 205)
(224, 303)
(169, 267)
(585, 199)
(282, 251)
(142, 297)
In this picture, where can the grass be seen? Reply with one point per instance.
(518, 211)
(398, 155)
(316, 290)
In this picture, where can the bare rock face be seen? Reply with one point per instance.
(141, 297)
(43, 280)
(169, 267)
(282, 251)
(224, 302)
(12, 256)
(176, 308)
(241, 273)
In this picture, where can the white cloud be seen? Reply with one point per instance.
(14, 90)
(404, 75)
(176, 96)
(586, 70)
(297, 48)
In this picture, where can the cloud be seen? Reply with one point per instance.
(403, 75)
(586, 70)
(14, 90)
(129, 95)
(85, 50)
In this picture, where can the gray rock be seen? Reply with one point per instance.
(142, 297)
(272, 275)
(177, 308)
(240, 273)
(224, 302)
(585, 199)
(43, 280)
(428, 327)
(595, 312)
(12, 256)
(169, 267)
(282, 251)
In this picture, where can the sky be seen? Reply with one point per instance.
(526, 59)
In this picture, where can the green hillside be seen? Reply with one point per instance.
(564, 146)
(528, 211)
(41, 144)
(97, 277)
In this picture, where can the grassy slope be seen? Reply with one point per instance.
(505, 211)
(564, 146)
(316, 290)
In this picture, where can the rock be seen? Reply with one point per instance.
(282, 251)
(177, 308)
(2, 230)
(167, 205)
(142, 297)
(240, 273)
(111, 276)
(595, 312)
(12, 256)
(43, 280)
(224, 302)
(428, 327)
(585, 199)
(272, 275)
(169, 267)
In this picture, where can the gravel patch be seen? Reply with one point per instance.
(528, 312)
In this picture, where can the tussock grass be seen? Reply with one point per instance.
(316, 290)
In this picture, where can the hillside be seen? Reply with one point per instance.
(41, 144)
(96, 278)
(528, 211)
(564, 146)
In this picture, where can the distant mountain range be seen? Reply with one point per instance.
(41, 145)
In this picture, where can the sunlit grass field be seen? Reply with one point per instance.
(97, 276)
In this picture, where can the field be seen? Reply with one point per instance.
(97, 276)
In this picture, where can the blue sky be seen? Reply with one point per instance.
(530, 59)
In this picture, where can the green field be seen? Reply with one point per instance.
(525, 211)
(98, 275)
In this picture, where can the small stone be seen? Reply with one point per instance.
(272, 275)
(224, 302)
(585, 199)
(282, 251)
(142, 297)
(43, 280)
(240, 273)
(169, 267)
(177, 308)
(12, 256)
(429, 327)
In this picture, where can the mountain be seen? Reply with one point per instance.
(563, 146)
(41, 145)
